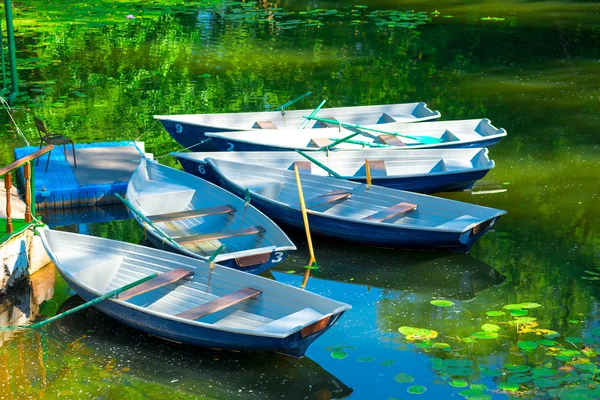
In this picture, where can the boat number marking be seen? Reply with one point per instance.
(278, 257)
(178, 128)
(201, 169)
(229, 146)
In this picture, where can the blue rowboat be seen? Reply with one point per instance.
(188, 302)
(422, 171)
(183, 213)
(450, 134)
(189, 129)
(354, 212)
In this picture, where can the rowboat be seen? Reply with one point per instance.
(423, 171)
(194, 217)
(352, 211)
(446, 134)
(188, 302)
(189, 129)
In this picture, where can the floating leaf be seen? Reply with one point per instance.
(407, 330)
(525, 320)
(527, 345)
(387, 363)
(458, 383)
(554, 335)
(458, 371)
(413, 333)
(574, 321)
(494, 313)
(547, 342)
(485, 335)
(470, 393)
(544, 383)
(508, 387)
(595, 331)
(521, 306)
(573, 340)
(416, 389)
(543, 372)
(570, 353)
(518, 368)
(490, 328)
(519, 378)
(365, 359)
(443, 346)
(479, 386)
(518, 312)
(492, 373)
(339, 354)
(442, 303)
(404, 378)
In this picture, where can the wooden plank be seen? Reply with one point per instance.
(326, 124)
(304, 167)
(202, 212)
(264, 125)
(392, 140)
(319, 142)
(204, 237)
(155, 283)
(27, 158)
(377, 168)
(391, 212)
(219, 304)
(330, 197)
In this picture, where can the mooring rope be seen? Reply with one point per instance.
(8, 110)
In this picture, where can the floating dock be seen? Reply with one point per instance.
(103, 170)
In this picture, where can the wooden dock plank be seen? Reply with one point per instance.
(155, 283)
(219, 304)
(202, 212)
(203, 237)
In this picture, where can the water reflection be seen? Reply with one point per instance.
(194, 371)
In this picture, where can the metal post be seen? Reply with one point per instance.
(12, 53)
(7, 186)
(2, 55)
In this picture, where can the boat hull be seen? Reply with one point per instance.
(275, 257)
(378, 235)
(191, 136)
(294, 345)
(420, 184)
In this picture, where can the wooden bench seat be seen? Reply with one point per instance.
(322, 124)
(219, 304)
(377, 168)
(304, 167)
(155, 283)
(203, 212)
(330, 197)
(264, 125)
(205, 237)
(391, 212)
(319, 142)
(390, 139)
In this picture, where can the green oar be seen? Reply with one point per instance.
(319, 164)
(312, 114)
(367, 144)
(330, 146)
(420, 139)
(289, 103)
(105, 296)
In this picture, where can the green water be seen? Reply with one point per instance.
(94, 75)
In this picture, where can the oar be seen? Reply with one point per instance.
(146, 220)
(105, 296)
(368, 144)
(312, 263)
(335, 143)
(312, 114)
(289, 103)
(420, 139)
(319, 164)
(211, 261)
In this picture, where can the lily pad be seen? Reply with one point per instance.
(527, 345)
(508, 387)
(543, 372)
(458, 383)
(544, 383)
(404, 378)
(519, 378)
(365, 359)
(387, 363)
(490, 328)
(470, 393)
(573, 340)
(485, 335)
(494, 313)
(339, 354)
(443, 346)
(552, 335)
(547, 342)
(458, 371)
(519, 312)
(521, 306)
(525, 320)
(516, 369)
(416, 389)
(413, 334)
(442, 303)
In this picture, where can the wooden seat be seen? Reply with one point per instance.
(154, 283)
(264, 125)
(219, 304)
(203, 212)
(319, 142)
(321, 124)
(330, 197)
(391, 140)
(304, 167)
(204, 237)
(56, 140)
(391, 212)
(377, 168)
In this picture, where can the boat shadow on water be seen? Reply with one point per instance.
(427, 273)
(195, 371)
